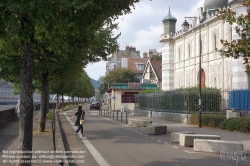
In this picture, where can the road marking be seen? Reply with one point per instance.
(175, 147)
(97, 156)
(145, 136)
(189, 152)
(159, 140)
(151, 137)
(140, 133)
(136, 132)
(166, 143)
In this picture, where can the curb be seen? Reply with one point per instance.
(58, 137)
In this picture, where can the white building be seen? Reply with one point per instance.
(181, 50)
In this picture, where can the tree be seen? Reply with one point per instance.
(20, 20)
(120, 75)
(239, 47)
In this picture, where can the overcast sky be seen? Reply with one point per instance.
(143, 27)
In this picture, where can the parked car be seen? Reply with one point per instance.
(96, 104)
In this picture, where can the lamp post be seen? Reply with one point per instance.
(200, 113)
(114, 88)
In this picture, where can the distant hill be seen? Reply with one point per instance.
(95, 83)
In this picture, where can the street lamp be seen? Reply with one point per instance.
(114, 88)
(200, 22)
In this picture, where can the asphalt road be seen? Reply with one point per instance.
(111, 143)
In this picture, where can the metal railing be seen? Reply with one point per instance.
(182, 101)
(115, 114)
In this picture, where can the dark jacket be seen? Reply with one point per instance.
(80, 115)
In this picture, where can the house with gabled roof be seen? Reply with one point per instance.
(153, 72)
(137, 65)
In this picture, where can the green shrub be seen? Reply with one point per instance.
(209, 120)
(236, 124)
(49, 115)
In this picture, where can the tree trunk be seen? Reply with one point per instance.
(44, 101)
(62, 101)
(26, 93)
(57, 101)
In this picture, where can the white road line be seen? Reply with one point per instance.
(175, 147)
(151, 137)
(97, 156)
(145, 136)
(136, 132)
(189, 152)
(159, 140)
(140, 133)
(166, 143)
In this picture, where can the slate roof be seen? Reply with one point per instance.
(157, 66)
(133, 61)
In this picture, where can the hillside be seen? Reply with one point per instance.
(95, 83)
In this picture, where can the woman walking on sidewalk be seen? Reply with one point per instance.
(80, 116)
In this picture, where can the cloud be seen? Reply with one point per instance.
(143, 27)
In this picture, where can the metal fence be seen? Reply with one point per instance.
(239, 99)
(183, 101)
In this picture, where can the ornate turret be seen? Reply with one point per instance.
(169, 23)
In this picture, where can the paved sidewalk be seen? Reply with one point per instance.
(177, 127)
(43, 143)
(42, 147)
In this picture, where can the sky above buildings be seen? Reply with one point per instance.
(143, 27)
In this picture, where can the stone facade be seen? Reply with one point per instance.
(182, 51)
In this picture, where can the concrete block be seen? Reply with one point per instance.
(157, 129)
(139, 122)
(175, 137)
(233, 114)
(188, 139)
(217, 146)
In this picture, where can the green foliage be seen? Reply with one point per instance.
(239, 47)
(236, 124)
(182, 100)
(50, 115)
(120, 75)
(150, 91)
(208, 120)
(158, 57)
(211, 99)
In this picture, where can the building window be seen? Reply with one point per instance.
(179, 54)
(189, 51)
(140, 66)
(128, 97)
(215, 42)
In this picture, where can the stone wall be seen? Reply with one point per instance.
(177, 117)
(7, 116)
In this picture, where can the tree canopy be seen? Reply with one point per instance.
(118, 75)
(38, 31)
(239, 47)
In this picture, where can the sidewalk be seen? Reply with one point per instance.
(42, 147)
(177, 127)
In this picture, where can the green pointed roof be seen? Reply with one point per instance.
(169, 17)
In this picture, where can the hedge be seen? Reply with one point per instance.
(209, 120)
(236, 124)
(181, 100)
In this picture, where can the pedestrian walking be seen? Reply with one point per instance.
(18, 109)
(80, 116)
